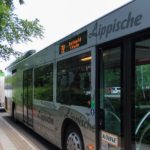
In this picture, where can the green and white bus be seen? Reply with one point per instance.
(91, 89)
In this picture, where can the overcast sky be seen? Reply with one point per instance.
(60, 18)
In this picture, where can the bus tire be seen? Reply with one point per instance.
(73, 139)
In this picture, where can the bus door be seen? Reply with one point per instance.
(142, 93)
(108, 103)
(28, 96)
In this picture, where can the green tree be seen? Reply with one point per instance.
(14, 30)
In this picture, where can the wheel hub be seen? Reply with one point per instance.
(73, 142)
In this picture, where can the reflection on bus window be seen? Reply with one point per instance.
(111, 100)
(73, 80)
(142, 95)
(43, 83)
(27, 88)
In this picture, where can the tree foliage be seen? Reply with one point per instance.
(14, 30)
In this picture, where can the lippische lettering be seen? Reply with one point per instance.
(116, 25)
(79, 119)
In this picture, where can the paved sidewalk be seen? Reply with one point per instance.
(11, 139)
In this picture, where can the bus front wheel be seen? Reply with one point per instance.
(73, 139)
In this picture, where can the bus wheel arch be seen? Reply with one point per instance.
(70, 129)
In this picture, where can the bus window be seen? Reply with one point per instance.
(43, 83)
(142, 95)
(73, 80)
(110, 98)
(111, 102)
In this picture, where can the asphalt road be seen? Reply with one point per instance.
(16, 136)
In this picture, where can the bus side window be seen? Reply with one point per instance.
(86, 81)
(77, 75)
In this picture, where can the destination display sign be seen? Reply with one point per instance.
(73, 43)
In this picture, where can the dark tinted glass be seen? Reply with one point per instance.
(74, 80)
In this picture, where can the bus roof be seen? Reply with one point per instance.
(123, 21)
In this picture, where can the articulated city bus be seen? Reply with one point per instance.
(91, 89)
